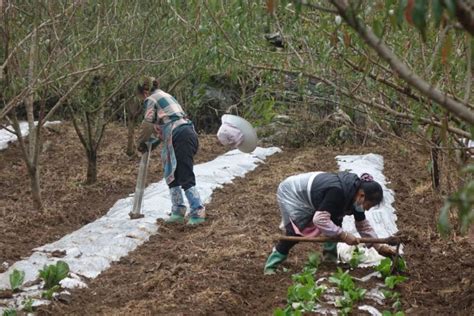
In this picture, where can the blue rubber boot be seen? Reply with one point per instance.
(178, 209)
(197, 214)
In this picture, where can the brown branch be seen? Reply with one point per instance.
(456, 108)
(347, 93)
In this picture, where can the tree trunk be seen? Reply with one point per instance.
(435, 170)
(91, 167)
(33, 172)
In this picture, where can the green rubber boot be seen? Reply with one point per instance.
(197, 216)
(195, 220)
(175, 218)
(330, 252)
(273, 260)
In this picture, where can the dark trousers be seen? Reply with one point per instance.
(284, 246)
(185, 144)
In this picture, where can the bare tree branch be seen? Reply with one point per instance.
(456, 108)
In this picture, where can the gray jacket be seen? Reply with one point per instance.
(299, 196)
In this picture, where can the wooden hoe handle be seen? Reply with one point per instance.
(394, 241)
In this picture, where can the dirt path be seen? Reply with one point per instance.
(68, 204)
(217, 268)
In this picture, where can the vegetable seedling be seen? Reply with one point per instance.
(48, 294)
(53, 274)
(389, 313)
(16, 279)
(356, 259)
(28, 305)
(384, 267)
(314, 259)
(9, 312)
(392, 281)
(342, 279)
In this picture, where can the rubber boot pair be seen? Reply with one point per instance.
(197, 213)
(273, 261)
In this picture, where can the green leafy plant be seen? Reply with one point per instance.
(401, 265)
(390, 294)
(9, 312)
(288, 311)
(392, 281)
(48, 294)
(344, 304)
(463, 200)
(314, 260)
(384, 267)
(53, 274)
(342, 279)
(28, 305)
(389, 313)
(304, 293)
(397, 305)
(351, 293)
(16, 279)
(357, 257)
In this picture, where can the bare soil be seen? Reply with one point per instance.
(68, 203)
(216, 268)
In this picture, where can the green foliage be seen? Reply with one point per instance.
(48, 294)
(390, 294)
(9, 312)
(304, 293)
(344, 305)
(416, 12)
(28, 305)
(401, 265)
(53, 274)
(384, 267)
(342, 279)
(16, 279)
(393, 280)
(314, 260)
(347, 286)
(463, 200)
(389, 313)
(356, 258)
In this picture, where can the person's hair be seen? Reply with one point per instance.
(149, 84)
(372, 189)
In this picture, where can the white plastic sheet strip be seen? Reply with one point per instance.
(91, 249)
(382, 217)
(7, 137)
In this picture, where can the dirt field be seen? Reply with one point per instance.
(68, 204)
(216, 268)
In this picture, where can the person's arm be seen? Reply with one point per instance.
(147, 127)
(332, 206)
(366, 230)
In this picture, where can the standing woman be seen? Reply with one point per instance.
(167, 122)
(315, 203)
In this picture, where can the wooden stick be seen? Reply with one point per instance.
(389, 240)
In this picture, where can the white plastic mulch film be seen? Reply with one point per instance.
(7, 137)
(91, 249)
(382, 217)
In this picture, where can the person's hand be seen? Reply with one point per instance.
(386, 251)
(155, 144)
(142, 147)
(349, 239)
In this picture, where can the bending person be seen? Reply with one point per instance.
(315, 203)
